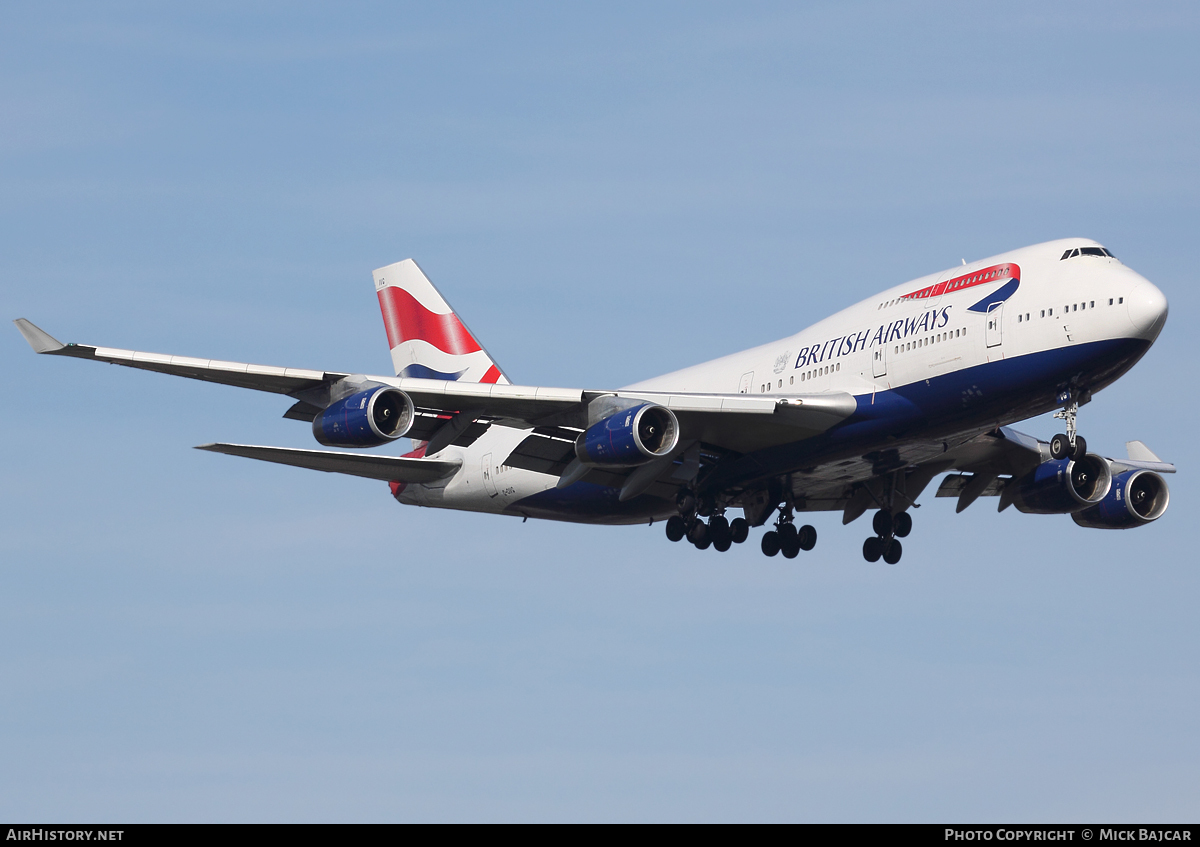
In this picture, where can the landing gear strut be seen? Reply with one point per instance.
(1070, 445)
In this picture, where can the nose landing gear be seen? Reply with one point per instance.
(1070, 445)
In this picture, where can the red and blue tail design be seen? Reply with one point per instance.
(427, 339)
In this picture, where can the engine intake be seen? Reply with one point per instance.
(365, 419)
(1060, 486)
(632, 436)
(1137, 498)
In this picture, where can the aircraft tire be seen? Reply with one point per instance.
(718, 528)
(808, 537)
(698, 533)
(892, 554)
(902, 524)
(770, 543)
(787, 535)
(723, 545)
(882, 523)
(1080, 448)
(676, 528)
(873, 548)
(789, 547)
(704, 544)
(739, 530)
(1060, 446)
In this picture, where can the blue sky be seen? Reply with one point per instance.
(604, 194)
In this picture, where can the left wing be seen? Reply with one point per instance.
(453, 412)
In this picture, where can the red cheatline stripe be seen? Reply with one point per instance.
(493, 375)
(982, 276)
(405, 320)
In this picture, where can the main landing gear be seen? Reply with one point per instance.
(1070, 445)
(885, 543)
(786, 539)
(719, 533)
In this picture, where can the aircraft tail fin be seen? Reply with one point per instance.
(428, 340)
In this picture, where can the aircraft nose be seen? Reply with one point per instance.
(1147, 310)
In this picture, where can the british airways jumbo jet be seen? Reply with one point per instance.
(858, 412)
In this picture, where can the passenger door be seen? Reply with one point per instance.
(879, 361)
(995, 325)
(747, 383)
(488, 482)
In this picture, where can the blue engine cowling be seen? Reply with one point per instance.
(1136, 498)
(1060, 486)
(632, 436)
(365, 419)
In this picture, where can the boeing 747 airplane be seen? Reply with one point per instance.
(861, 411)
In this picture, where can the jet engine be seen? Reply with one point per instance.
(632, 436)
(1136, 498)
(365, 419)
(1060, 486)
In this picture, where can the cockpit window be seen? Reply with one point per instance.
(1087, 251)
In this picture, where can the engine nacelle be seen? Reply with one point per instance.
(365, 419)
(1136, 498)
(1060, 486)
(632, 436)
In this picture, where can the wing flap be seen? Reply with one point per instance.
(386, 468)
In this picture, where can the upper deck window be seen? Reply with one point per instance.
(1087, 251)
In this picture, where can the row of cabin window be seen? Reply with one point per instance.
(959, 283)
(804, 377)
(1073, 307)
(933, 339)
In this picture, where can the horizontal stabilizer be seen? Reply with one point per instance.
(386, 468)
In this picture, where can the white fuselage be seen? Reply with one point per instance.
(881, 344)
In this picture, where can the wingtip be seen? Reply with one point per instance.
(40, 340)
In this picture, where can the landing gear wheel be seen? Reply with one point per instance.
(698, 534)
(676, 528)
(789, 544)
(704, 544)
(808, 537)
(892, 554)
(882, 523)
(770, 543)
(873, 548)
(902, 524)
(1060, 446)
(722, 545)
(1080, 448)
(739, 530)
(718, 529)
(686, 502)
(788, 535)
